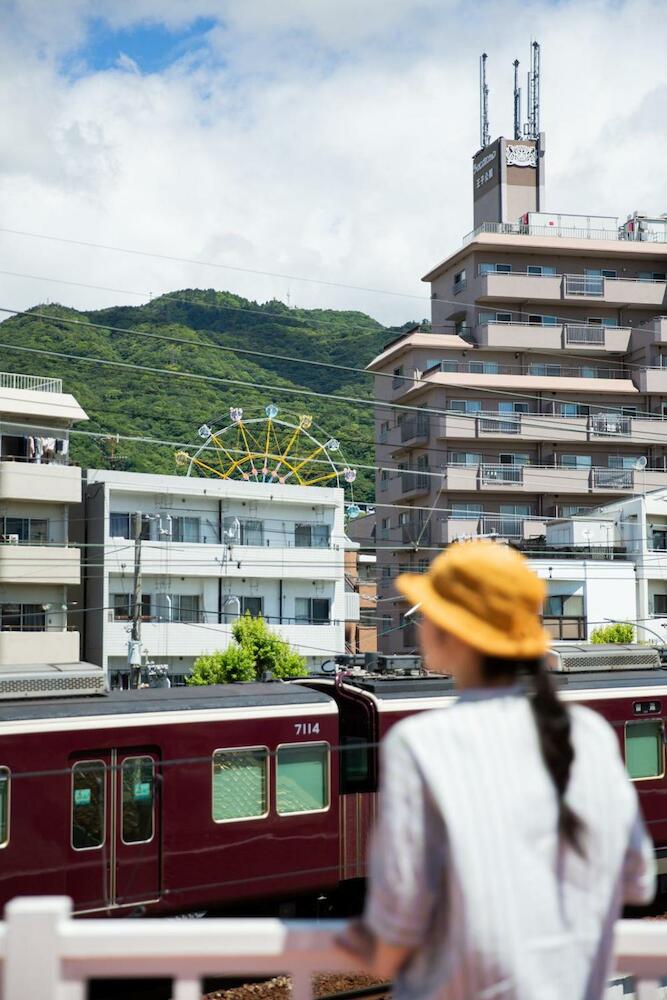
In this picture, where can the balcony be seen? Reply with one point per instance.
(519, 287)
(416, 533)
(505, 526)
(30, 647)
(31, 564)
(634, 292)
(500, 475)
(414, 482)
(613, 479)
(650, 380)
(415, 429)
(553, 337)
(56, 483)
(352, 606)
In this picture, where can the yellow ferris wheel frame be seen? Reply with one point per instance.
(266, 449)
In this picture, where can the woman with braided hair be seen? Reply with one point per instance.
(508, 834)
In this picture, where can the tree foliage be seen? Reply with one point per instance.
(620, 632)
(255, 651)
(132, 402)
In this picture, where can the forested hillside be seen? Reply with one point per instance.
(158, 404)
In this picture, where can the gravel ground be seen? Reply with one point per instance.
(279, 988)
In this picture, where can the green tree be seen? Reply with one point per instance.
(255, 650)
(620, 632)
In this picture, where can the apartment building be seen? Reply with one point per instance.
(38, 487)
(360, 574)
(539, 391)
(634, 528)
(212, 550)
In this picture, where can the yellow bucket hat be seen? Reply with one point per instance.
(484, 593)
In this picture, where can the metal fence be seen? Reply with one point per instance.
(15, 380)
(509, 474)
(594, 335)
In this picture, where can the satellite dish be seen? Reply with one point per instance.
(640, 463)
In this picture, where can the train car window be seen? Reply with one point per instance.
(4, 806)
(138, 783)
(88, 804)
(644, 749)
(240, 784)
(355, 764)
(302, 778)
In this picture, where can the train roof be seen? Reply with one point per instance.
(143, 700)
(391, 688)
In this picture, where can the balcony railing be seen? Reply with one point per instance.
(584, 284)
(588, 334)
(524, 229)
(551, 370)
(565, 628)
(15, 380)
(46, 953)
(412, 480)
(605, 424)
(512, 475)
(499, 425)
(613, 479)
(416, 532)
(414, 427)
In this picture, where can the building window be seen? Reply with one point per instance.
(185, 529)
(660, 604)
(185, 608)
(459, 281)
(465, 405)
(397, 379)
(644, 749)
(550, 370)
(4, 806)
(25, 529)
(120, 526)
(652, 276)
(484, 367)
(622, 461)
(495, 269)
(467, 511)
(22, 617)
(564, 606)
(311, 536)
(574, 409)
(240, 784)
(540, 320)
(464, 458)
(137, 779)
(88, 804)
(252, 532)
(576, 461)
(312, 610)
(541, 269)
(122, 604)
(302, 780)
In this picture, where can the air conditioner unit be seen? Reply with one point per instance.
(10, 539)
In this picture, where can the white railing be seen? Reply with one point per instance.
(564, 232)
(14, 380)
(46, 955)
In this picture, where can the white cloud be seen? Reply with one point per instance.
(311, 137)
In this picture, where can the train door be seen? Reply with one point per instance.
(115, 832)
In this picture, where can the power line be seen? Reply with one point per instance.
(212, 264)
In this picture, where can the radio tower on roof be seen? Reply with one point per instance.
(517, 101)
(484, 128)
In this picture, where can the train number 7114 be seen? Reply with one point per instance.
(307, 728)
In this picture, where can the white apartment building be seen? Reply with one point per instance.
(213, 549)
(38, 486)
(636, 529)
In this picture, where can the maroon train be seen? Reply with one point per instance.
(166, 801)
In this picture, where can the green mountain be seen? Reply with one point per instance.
(158, 404)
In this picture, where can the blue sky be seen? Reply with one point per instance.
(152, 45)
(328, 139)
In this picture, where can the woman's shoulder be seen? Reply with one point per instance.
(587, 722)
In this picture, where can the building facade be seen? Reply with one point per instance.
(39, 567)
(360, 573)
(213, 549)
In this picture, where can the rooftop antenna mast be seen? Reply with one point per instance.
(517, 101)
(533, 127)
(484, 130)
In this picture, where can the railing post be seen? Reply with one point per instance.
(32, 958)
(187, 989)
(302, 985)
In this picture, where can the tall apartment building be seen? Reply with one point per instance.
(540, 390)
(213, 549)
(38, 565)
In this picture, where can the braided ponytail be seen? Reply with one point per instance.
(553, 730)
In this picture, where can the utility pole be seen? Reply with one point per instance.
(134, 645)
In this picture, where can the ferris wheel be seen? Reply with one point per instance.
(269, 449)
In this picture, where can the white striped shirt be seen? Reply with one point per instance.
(466, 865)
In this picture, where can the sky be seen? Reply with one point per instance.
(327, 140)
